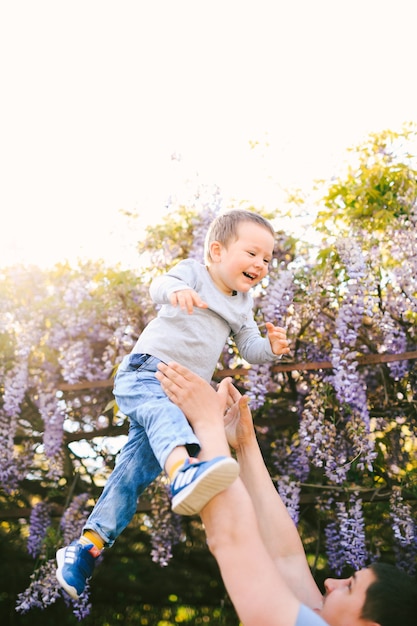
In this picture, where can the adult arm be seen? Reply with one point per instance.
(255, 585)
(277, 529)
(256, 588)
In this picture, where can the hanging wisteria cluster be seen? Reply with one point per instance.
(53, 414)
(404, 526)
(349, 316)
(39, 522)
(44, 589)
(290, 490)
(274, 306)
(13, 466)
(318, 431)
(345, 537)
(166, 525)
(346, 379)
(292, 465)
(259, 384)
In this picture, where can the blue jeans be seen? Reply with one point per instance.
(156, 427)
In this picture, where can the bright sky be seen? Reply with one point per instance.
(97, 96)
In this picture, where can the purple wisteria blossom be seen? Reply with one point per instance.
(274, 307)
(74, 518)
(405, 532)
(15, 383)
(53, 414)
(76, 293)
(395, 342)
(166, 528)
(345, 537)
(289, 491)
(13, 463)
(15, 386)
(349, 385)
(291, 462)
(75, 360)
(362, 447)
(39, 522)
(291, 459)
(43, 590)
(81, 608)
(9, 473)
(259, 384)
(319, 436)
(403, 246)
(343, 356)
(279, 297)
(330, 444)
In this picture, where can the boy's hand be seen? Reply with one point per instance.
(277, 338)
(187, 299)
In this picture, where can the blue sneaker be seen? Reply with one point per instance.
(76, 564)
(197, 483)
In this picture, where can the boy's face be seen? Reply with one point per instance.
(245, 261)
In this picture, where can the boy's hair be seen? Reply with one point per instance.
(392, 599)
(224, 228)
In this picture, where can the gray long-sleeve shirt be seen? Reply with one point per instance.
(197, 340)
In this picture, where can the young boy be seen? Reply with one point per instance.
(202, 305)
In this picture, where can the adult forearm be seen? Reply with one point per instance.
(277, 529)
(255, 586)
(273, 518)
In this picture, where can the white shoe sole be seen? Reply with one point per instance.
(198, 493)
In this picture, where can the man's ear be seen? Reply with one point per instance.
(215, 249)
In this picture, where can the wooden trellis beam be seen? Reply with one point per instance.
(367, 359)
(283, 366)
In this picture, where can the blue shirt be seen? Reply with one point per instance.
(307, 617)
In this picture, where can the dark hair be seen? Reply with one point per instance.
(391, 599)
(224, 227)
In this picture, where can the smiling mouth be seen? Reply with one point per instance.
(250, 276)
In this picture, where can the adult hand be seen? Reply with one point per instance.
(238, 421)
(194, 396)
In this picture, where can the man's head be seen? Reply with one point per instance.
(391, 599)
(224, 228)
(380, 595)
